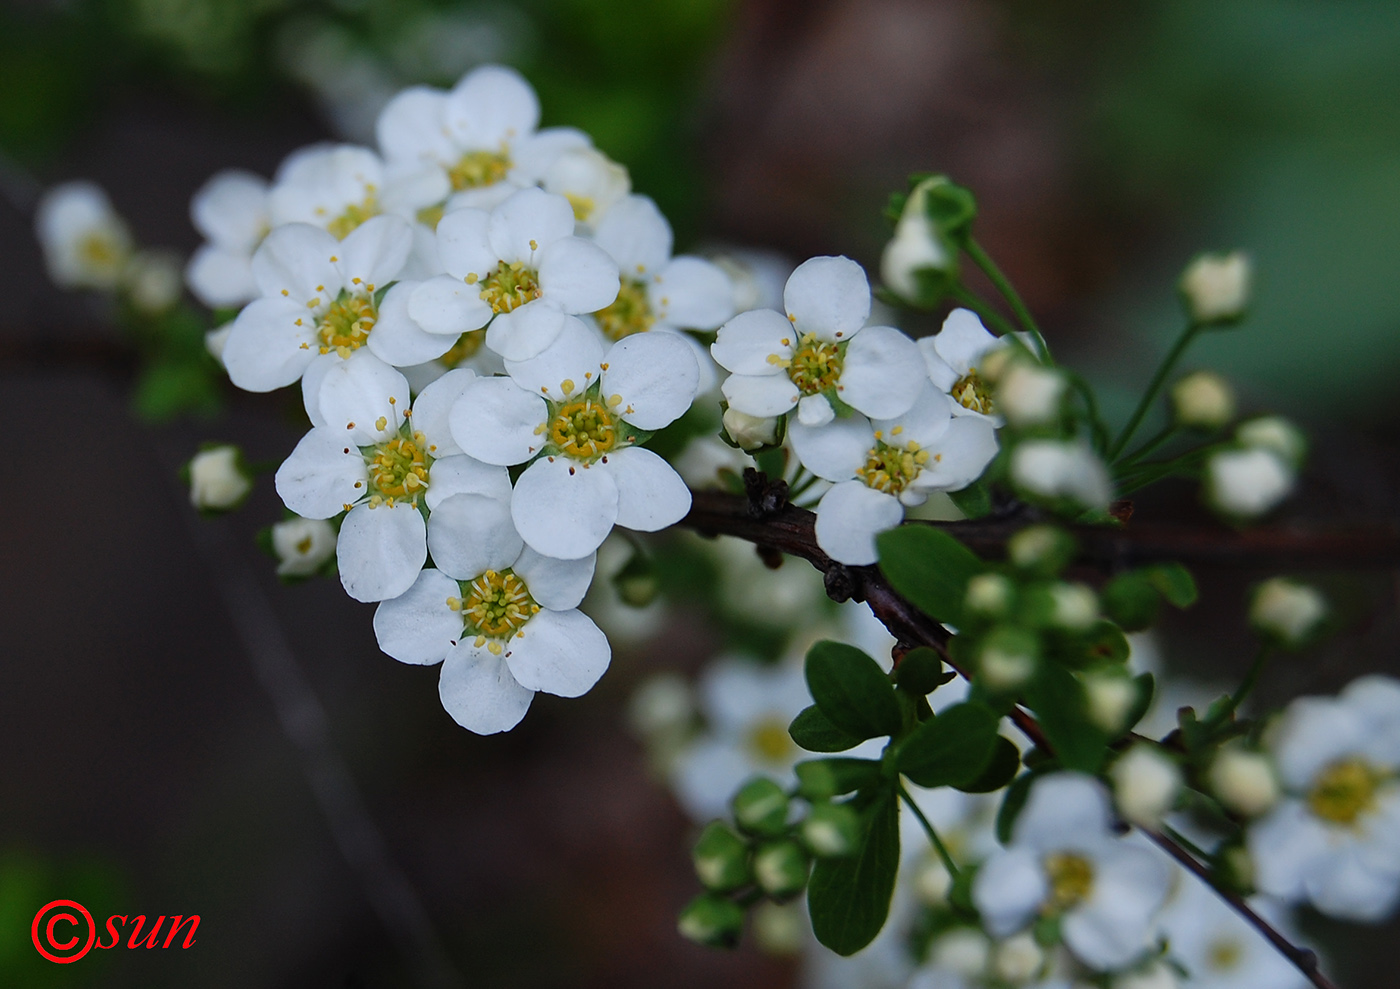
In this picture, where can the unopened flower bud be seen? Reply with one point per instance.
(721, 858)
(1286, 611)
(761, 807)
(153, 281)
(781, 868)
(1247, 483)
(1062, 469)
(780, 928)
(1007, 659)
(1243, 781)
(302, 546)
(1277, 434)
(750, 432)
(1145, 784)
(1215, 287)
(218, 481)
(1028, 394)
(1076, 606)
(831, 830)
(1018, 959)
(712, 920)
(963, 950)
(988, 595)
(1040, 549)
(1110, 698)
(919, 257)
(1203, 400)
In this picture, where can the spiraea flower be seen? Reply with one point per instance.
(576, 416)
(820, 356)
(231, 211)
(954, 357)
(218, 479)
(318, 298)
(1219, 948)
(878, 467)
(519, 268)
(336, 187)
(387, 466)
(1334, 839)
(591, 181)
(302, 546)
(86, 243)
(1065, 861)
(502, 619)
(471, 146)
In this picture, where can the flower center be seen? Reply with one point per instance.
(1071, 880)
(509, 286)
(768, 739)
(354, 215)
(1224, 955)
(465, 348)
(495, 606)
(629, 313)
(345, 325)
(99, 250)
(971, 392)
(1344, 791)
(398, 469)
(891, 468)
(815, 366)
(583, 429)
(478, 168)
(583, 206)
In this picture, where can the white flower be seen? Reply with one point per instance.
(1247, 483)
(591, 181)
(1203, 400)
(750, 432)
(1216, 287)
(1145, 784)
(218, 481)
(1334, 840)
(820, 352)
(1243, 781)
(383, 463)
(336, 187)
(1286, 610)
(576, 415)
(879, 467)
(519, 268)
(954, 357)
(86, 244)
(1277, 434)
(1155, 976)
(1219, 948)
(918, 246)
(756, 277)
(472, 146)
(503, 621)
(302, 545)
(1065, 860)
(1062, 469)
(231, 211)
(1028, 394)
(316, 299)
(152, 281)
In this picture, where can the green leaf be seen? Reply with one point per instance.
(1005, 763)
(974, 501)
(1132, 600)
(1105, 643)
(950, 749)
(920, 672)
(1147, 688)
(822, 779)
(851, 690)
(1011, 806)
(848, 898)
(814, 732)
(929, 567)
(1174, 582)
(1057, 699)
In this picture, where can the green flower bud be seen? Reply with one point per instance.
(988, 595)
(1041, 549)
(831, 830)
(761, 807)
(1286, 611)
(712, 920)
(781, 868)
(1007, 658)
(721, 858)
(1203, 400)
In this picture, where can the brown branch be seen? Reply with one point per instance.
(764, 519)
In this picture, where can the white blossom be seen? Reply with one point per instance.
(1245, 483)
(335, 187)
(750, 432)
(917, 246)
(1218, 948)
(218, 480)
(231, 212)
(1287, 610)
(1216, 287)
(591, 181)
(302, 545)
(1203, 400)
(954, 359)
(86, 243)
(1062, 469)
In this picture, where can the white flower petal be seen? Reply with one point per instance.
(577, 275)
(693, 293)
(433, 407)
(464, 243)
(231, 210)
(418, 627)
(814, 411)
(559, 652)
(637, 236)
(364, 399)
(319, 478)
(491, 106)
(461, 474)
(1114, 925)
(939, 371)
(266, 349)
(882, 373)
(963, 341)
(469, 534)
(849, 517)
(445, 306)
(411, 127)
(1064, 810)
(650, 494)
(744, 344)
(834, 451)
(574, 356)
(563, 509)
(220, 278)
(311, 380)
(1285, 847)
(828, 296)
(527, 223)
(296, 259)
(399, 340)
(526, 331)
(535, 154)
(373, 254)
(925, 422)
(655, 376)
(479, 692)
(555, 584)
(768, 395)
(380, 551)
(959, 456)
(1008, 890)
(497, 421)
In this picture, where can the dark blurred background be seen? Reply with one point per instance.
(148, 768)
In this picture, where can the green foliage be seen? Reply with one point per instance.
(928, 567)
(813, 731)
(1001, 769)
(848, 898)
(712, 920)
(921, 671)
(721, 858)
(822, 779)
(951, 749)
(851, 690)
(1058, 701)
(761, 807)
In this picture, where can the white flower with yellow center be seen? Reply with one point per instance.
(502, 619)
(820, 356)
(1065, 861)
(1334, 839)
(302, 546)
(658, 292)
(880, 467)
(591, 181)
(519, 268)
(336, 187)
(471, 146)
(231, 211)
(576, 415)
(86, 244)
(954, 357)
(1218, 948)
(387, 465)
(318, 299)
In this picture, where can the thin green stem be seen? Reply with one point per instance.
(988, 314)
(1185, 842)
(1150, 446)
(1008, 292)
(1154, 387)
(933, 838)
(1247, 684)
(1091, 409)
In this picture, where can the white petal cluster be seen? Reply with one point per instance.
(86, 244)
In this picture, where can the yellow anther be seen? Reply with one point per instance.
(534, 246)
(510, 286)
(584, 429)
(896, 431)
(380, 423)
(567, 386)
(479, 168)
(629, 313)
(496, 606)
